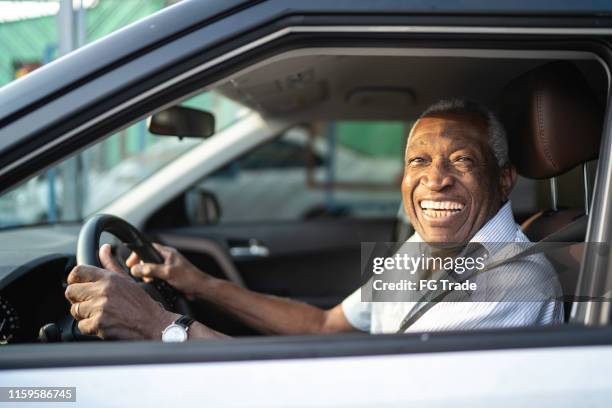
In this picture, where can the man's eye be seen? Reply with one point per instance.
(416, 161)
(464, 160)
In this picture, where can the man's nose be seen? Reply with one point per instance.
(437, 176)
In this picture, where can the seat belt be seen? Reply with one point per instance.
(539, 247)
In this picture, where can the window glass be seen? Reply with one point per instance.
(85, 183)
(327, 169)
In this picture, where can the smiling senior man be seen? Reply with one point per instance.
(455, 191)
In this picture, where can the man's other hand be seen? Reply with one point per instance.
(176, 270)
(109, 304)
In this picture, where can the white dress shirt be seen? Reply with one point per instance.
(534, 279)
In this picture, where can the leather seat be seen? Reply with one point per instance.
(546, 222)
(554, 123)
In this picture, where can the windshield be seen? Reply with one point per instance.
(83, 184)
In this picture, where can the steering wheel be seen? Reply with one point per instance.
(87, 254)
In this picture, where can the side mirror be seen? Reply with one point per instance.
(202, 207)
(182, 122)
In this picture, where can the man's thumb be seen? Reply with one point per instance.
(107, 260)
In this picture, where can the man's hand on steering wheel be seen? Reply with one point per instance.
(109, 304)
(176, 270)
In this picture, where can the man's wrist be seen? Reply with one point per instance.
(197, 330)
(160, 322)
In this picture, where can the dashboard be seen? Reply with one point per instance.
(34, 298)
(34, 265)
(33, 307)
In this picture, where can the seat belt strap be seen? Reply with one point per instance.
(412, 318)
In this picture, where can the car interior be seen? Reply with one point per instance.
(544, 105)
(551, 105)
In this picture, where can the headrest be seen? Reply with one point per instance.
(553, 120)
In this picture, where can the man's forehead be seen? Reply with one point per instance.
(460, 127)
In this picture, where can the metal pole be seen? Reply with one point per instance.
(553, 193)
(81, 26)
(71, 192)
(52, 172)
(142, 136)
(84, 159)
(65, 27)
(587, 194)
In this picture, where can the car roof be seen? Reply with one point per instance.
(184, 16)
(381, 84)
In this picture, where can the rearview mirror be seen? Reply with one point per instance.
(182, 122)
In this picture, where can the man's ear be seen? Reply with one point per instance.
(507, 179)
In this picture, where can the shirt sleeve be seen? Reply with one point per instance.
(358, 313)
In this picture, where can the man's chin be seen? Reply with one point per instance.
(442, 239)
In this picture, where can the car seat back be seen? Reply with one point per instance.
(554, 123)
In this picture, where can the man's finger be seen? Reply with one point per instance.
(147, 270)
(107, 259)
(80, 292)
(82, 310)
(88, 326)
(85, 273)
(163, 250)
(132, 260)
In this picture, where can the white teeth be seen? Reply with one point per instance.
(441, 205)
(440, 213)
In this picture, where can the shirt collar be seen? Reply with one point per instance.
(498, 231)
(494, 234)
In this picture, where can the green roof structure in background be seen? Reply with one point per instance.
(35, 40)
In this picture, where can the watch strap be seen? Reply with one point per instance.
(184, 321)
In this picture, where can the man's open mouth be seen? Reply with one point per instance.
(441, 209)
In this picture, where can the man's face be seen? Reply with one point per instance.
(452, 184)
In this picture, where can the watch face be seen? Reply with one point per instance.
(174, 334)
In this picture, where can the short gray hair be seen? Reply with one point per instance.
(497, 134)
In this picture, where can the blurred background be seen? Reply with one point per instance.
(34, 33)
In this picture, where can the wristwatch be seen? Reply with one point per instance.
(177, 331)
